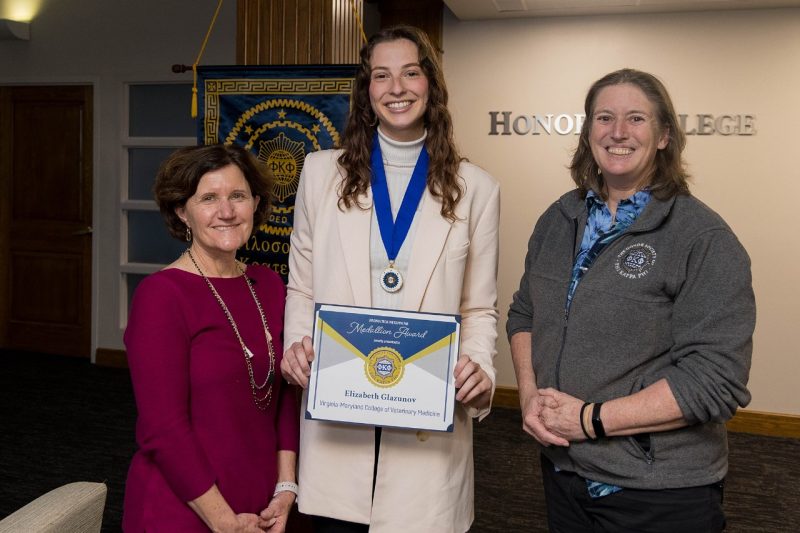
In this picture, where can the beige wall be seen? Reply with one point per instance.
(737, 62)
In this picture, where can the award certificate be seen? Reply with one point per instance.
(383, 368)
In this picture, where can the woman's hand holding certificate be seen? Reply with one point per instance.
(296, 363)
(473, 386)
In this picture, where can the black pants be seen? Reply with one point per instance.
(323, 524)
(570, 509)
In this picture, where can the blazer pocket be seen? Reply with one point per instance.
(458, 253)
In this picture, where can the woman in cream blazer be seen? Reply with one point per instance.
(423, 481)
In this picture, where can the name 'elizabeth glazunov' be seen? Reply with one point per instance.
(402, 332)
(375, 396)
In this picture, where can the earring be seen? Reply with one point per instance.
(188, 234)
(375, 122)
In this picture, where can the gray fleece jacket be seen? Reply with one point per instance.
(670, 299)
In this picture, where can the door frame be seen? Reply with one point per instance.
(5, 200)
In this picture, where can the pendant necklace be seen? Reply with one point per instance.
(394, 232)
(261, 399)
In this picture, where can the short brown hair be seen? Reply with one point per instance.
(670, 176)
(180, 173)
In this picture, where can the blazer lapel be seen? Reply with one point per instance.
(430, 238)
(354, 226)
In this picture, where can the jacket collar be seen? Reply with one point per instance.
(354, 226)
(573, 206)
(431, 236)
(429, 243)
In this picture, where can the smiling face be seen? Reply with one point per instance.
(398, 89)
(220, 212)
(625, 136)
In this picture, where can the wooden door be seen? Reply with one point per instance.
(46, 219)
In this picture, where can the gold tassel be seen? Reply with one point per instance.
(197, 61)
(194, 92)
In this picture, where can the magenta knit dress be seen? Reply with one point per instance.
(197, 423)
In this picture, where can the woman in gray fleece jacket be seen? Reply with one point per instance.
(631, 331)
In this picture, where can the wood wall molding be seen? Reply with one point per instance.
(297, 32)
(506, 397)
(427, 15)
(111, 358)
(761, 423)
(745, 421)
(324, 32)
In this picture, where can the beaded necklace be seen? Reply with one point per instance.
(261, 401)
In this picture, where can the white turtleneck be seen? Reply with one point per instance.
(399, 159)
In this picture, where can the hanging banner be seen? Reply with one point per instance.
(280, 114)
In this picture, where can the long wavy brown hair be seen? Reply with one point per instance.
(670, 176)
(443, 180)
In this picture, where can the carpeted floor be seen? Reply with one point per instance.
(761, 491)
(64, 420)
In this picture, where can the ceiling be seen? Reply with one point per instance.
(498, 9)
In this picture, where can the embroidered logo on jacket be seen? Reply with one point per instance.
(635, 261)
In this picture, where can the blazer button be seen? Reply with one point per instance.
(422, 436)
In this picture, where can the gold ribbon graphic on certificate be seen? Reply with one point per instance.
(384, 365)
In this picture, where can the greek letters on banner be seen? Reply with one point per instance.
(279, 113)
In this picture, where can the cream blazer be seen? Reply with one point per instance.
(425, 479)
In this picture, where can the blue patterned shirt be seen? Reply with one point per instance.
(602, 230)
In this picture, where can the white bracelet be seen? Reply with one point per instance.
(285, 486)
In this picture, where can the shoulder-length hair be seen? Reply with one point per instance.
(670, 176)
(443, 180)
(180, 173)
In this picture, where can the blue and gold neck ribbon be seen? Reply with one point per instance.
(394, 232)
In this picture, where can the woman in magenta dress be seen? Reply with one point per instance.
(217, 427)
